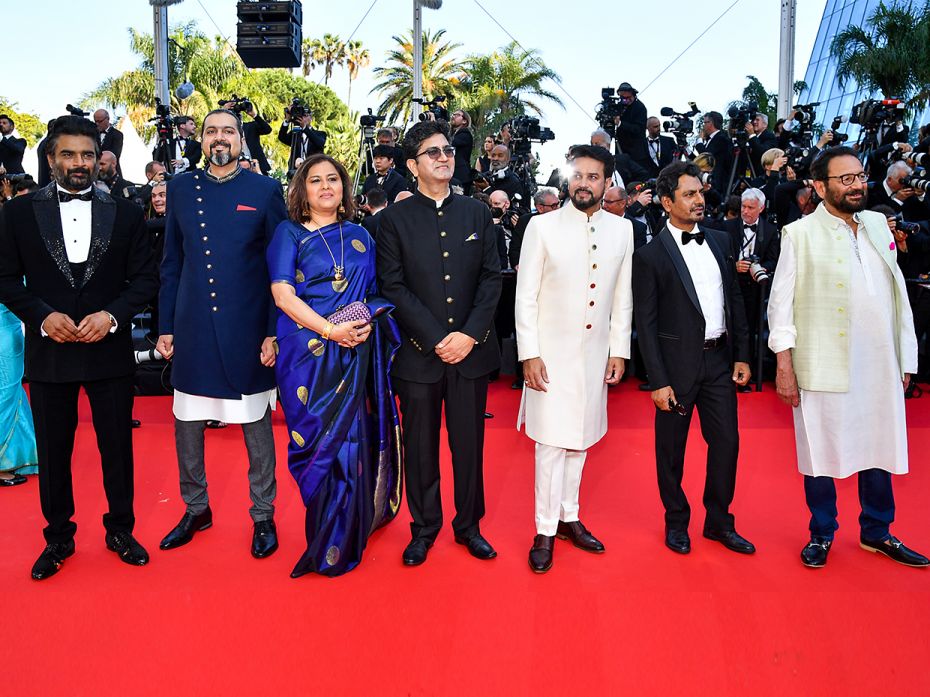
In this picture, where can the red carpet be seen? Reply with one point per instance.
(207, 619)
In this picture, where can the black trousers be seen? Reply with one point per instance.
(920, 306)
(714, 396)
(55, 412)
(421, 413)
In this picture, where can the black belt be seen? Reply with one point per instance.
(716, 342)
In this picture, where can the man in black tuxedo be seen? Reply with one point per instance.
(502, 178)
(11, 147)
(438, 264)
(760, 139)
(107, 136)
(615, 201)
(385, 177)
(717, 143)
(377, 202)
(630, 129)
(75, 265)
(187, 150)
(692, 330)
(661, 148)
(464, 142)
(891, 191)
(753, 239)
(387, 136)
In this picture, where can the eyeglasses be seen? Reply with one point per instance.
(434, 153)
(848, 179)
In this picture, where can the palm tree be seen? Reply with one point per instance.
(890, 56)
(441, 73)
(357, 58)
(328, 53)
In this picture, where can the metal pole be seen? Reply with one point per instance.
(417, 59)
(162, 91)
(786, 58)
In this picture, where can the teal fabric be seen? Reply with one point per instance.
(17, 434)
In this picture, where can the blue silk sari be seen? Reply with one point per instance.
(344, 445)
(17, 434)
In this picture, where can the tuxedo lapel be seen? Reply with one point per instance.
(103, 214)
(48, 218)
(721, 256)
(681, 267)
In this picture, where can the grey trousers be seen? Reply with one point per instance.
(259, 441)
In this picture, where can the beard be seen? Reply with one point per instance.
(843, 203)
(75, 179)
(221, 159)
(584, 198)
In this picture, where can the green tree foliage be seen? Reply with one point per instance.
(326, 53)
(767, 102)
(29, 126)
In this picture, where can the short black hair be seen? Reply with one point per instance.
(228, 112)
(715, 117)
(667, 181)
(72, 126)
(595, 152)
(4, 116)
(421, 131)
(383, 151)
(820, 167)
(376, 198)
(184, 119)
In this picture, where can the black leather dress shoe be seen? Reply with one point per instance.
(264, 539)
(579, 536)
(14, 480)
(136, 423)
(541, 554)
(184, 531)
(478, 547)
(732, 540)
(488, 415)
(128, 549)
(51, 559)
(212, 423)
(678, 541)
(815, 552)
(894, 549)
(415, 554)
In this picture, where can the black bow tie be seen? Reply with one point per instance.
(754, 227)
(698, 237)
(64, 196)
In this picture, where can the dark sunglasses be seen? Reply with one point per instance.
(434, 153)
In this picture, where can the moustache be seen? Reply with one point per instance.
(80, 170)
(217, 143)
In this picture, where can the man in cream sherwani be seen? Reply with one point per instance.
(842, 331)
(574, 309)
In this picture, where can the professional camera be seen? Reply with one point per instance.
(296, 111)
(871, 113)
(799, 159)
(369, 123)
(741, 115)
(609, 109)
(679, 122)
(915, 159)
(15, 179)
(163, 120)
(758, 272)
(838, 138)
(76, 111)
(528, 128)
(239, 104)
(904, 226)
(920, 180)
(434, 107)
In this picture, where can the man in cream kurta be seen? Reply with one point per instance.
(573, 316)
(842, 330)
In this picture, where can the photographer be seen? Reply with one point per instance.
(19, 185)
(111, 181)
(303, 140)
(717, 143)
(385, 177)
(187, 151)
(375, 202)
(45, 173)
(626, 169)
(895, 192)
(253, 130)
(464, 142)
(109, 138)
(661, 148)
(388, 137)
(504, 222)
(630, 130)
(760, 139)
(502, 178)
(616, 201)
(11, 147)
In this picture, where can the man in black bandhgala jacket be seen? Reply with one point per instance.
(75, 265)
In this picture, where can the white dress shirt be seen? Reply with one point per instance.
(748, 246)
(75, 226)
(708, 283)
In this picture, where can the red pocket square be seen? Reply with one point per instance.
(240, 207)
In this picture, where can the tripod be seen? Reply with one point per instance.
(365, 160)
(166, 148)
(739, 149)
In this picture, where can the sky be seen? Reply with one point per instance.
(589, 43)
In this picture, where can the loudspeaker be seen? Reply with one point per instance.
(269, 34)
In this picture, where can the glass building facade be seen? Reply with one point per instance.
(822, 85)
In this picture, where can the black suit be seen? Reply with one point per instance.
(440, 268)
(758, 144)
(722, 149)
(192, 150)
(254, 130)
(11, 153)
(640, 232)
(112, 140)
(670, 326)
(392, 185)
(912, 209)
(464, 142)
(511, 185)
(119, 277)
(372, 223)
(45, 172)
(309, 142)
(631, 134)
(666, 147)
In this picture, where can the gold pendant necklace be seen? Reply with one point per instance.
(338, 269)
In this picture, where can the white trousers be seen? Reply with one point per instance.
(558, 481)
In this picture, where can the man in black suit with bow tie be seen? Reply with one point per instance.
(75, 265)
(692, 332)
(11, 147)
(385, 177)
(108, 137)
(187, 150)
(659, 147)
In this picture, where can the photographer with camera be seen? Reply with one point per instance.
(717, 144)
(385, 177)
(630, 125)
(108, 137)
(187, 151)
(897, 191)
(388, 137)
(11, 147)
(502, 177)
(15, 185)
(254, 130)
(111, 181)
(626, 169)
(760, 139)
(661, 148)
(464, 142)
(297, 133)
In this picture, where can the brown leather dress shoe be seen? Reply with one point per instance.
(541, 554)
(579, 536)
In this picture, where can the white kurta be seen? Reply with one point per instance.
(574, 309)
(249, 409)
(840, 433)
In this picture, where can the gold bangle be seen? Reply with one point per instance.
(327, 330)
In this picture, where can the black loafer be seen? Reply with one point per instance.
(815, 552)
(732, 540)
(478, 547)
(415, 553)
(541, 554)
(51, 559)
(212, 423)
(15, 480)
(678, 541)
(579, 536)
(136, 423)
(264, 539)
(128, 549)
(184, 531)
(895, 550)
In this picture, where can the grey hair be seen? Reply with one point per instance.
(753, 195)
(899, 168)
(603, 133)
(544, 191)
(764, 118)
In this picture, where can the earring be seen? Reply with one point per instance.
(342, 209)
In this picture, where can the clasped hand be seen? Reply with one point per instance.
(454, 348)
(62, 329)
(350, 334)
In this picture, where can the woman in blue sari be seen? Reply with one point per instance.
(17, 434)
(344, 445)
